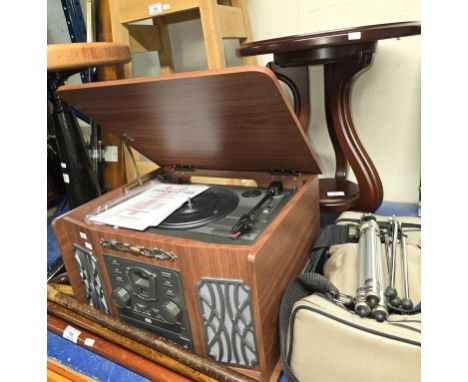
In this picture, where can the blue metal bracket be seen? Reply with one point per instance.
(77, 30)
(76, 26)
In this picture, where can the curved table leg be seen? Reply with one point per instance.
(368, 195)
(297, 79)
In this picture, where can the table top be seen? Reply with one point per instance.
(338, 37)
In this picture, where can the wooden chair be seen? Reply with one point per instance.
(219, 19)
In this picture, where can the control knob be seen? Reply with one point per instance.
(121, 297)
(171, 312)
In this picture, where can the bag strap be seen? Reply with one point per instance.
(302, 286)
(330, 235)
(309, 283)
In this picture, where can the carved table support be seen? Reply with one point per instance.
(341, 67)
(344, 53)
(297, 79)
(338, 79)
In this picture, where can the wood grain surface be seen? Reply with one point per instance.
(95, 328)
(62, 305)
(338, 37)
(265, 266)
(227, 119)
(230, 123)
(116, 353)
(134, 10)
(345, 53)
(61, 57)
(56, 372)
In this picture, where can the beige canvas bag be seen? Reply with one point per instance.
(324, 340)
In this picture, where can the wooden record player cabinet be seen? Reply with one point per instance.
(231, 123)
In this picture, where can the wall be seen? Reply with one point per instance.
(385, 98)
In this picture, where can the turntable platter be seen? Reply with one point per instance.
(213, 204)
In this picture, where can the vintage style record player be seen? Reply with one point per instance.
(210, 277)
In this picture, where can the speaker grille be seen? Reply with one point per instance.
(228, 321)
(90, 278)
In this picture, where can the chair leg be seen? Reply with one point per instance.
(165, 53)
(212, 34)
(119, 32)
(242, 5)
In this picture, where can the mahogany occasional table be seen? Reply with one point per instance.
(344, 53)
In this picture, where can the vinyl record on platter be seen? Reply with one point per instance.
(210, 205)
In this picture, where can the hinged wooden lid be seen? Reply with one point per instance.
(227, 119)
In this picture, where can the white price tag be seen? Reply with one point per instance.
(89, 342)
(64, 165)
(72, 334)
(154, 9)
(66, 178)
(335, 193)
(111, 154)
(88, 245)
(354, 36)
(83, 236)
(166, 6)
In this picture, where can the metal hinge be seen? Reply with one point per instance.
(284, 172)
(182, 167)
